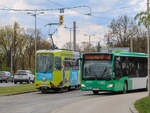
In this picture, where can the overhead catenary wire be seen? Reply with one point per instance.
(24, 10)
(88, 14)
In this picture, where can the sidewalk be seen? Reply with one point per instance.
(103, 104)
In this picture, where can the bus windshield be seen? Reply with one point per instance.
(44, 62)
(97, 69)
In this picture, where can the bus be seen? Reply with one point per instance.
(57, 70)
(115, 72)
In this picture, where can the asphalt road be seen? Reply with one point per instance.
(61, 102)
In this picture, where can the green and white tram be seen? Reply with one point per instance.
(113, 72)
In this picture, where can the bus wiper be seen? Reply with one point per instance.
(105, 70)
(90, 77)
(96, 76)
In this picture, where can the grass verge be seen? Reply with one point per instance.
(143, 105)
(23, 88)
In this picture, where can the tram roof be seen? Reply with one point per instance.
(77, 54)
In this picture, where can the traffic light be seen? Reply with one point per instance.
(60, 19)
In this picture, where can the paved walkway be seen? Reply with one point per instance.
(108, 104)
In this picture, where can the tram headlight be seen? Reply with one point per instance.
(82, 85)
(110, 86)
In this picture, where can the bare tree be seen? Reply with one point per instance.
(120, 32)
(14, 37)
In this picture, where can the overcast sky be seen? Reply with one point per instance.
(103, 11)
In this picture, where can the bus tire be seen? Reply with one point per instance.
(125, 88)
(147, 85)
(43, 91)
(15, 82)
(95, 92)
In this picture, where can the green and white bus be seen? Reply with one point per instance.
(113, 72)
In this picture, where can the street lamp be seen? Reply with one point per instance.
(70, 34)
(35, 16)
(89, 39)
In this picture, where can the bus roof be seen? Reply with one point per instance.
(131, 54)
(119, 54)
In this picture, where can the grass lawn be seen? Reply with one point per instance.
(143, 105)
(17, 89)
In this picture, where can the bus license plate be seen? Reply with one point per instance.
(95, 89)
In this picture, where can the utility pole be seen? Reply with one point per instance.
(12, 53)
(89, 43)
(89, 40)
(148, 48)
(74, 36)
(131, 45)
(70, 39)
(35, 27)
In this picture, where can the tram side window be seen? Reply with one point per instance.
(57, 63)
(75, 65)
(71, 64)
(67, 65)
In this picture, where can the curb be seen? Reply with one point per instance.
(133, 109)
(19, 93)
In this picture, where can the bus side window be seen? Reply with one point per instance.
(125, 66)
(58, 63)
(118, 71)
(142, 67)
(133, 67)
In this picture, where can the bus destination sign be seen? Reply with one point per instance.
(98, 57)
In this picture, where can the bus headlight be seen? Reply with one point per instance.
(82, 85)
(110, 85)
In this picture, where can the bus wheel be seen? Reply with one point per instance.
(124, 88)
(43, 91)
(95, 92)
(147, 85)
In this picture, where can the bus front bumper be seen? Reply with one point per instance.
(109, 87)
